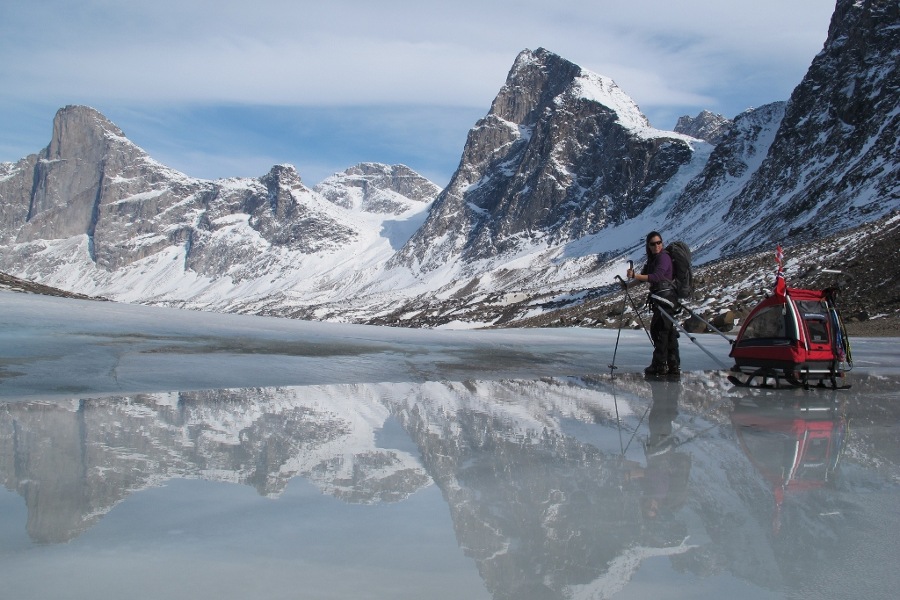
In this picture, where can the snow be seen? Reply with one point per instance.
(148, 195)
(600, 89)
(337, 272)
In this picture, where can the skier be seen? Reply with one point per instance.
(658, 272)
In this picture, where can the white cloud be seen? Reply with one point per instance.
(349, 52)
(673, 58)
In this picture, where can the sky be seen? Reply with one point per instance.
(223, 88)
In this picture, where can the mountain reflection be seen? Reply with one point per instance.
(557, 488)
(73, 462)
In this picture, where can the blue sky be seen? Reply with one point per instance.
(224, 88)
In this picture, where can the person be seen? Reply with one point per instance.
(658, 272)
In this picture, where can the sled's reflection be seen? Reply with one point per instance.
(795, 446)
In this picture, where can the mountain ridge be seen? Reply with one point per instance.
(556, 187)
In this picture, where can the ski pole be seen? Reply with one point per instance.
(612, 365)
(636, 311)
(618, 423)
(705, 322)
(682, 329)
(646, 410)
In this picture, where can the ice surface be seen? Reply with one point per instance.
(153, 453)
(59, 348)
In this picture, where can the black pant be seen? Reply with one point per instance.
(665, 339)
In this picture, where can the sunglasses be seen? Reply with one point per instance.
(656, 243)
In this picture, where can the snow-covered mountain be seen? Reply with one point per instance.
(706, 126)
(556, 187)
(105, 218)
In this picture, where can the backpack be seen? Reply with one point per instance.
(681, 269)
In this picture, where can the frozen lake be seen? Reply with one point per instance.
(152, 453)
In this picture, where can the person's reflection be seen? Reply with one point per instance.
(663, 482)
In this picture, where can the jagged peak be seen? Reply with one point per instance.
(560, 78)
(763, 112)
(375, 170)
(378, 187)
(535, 78)
(707, 126)
(284, 173)
(85, 115)
(605, 91)
(372, 168)
(81, 130)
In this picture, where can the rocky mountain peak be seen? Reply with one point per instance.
(540, 77)
(281, 182)
(78, 130)
(833, 163)
(562, 153)
(378, 188)
(284, 175)
(707, 126)
(70, 172)
(535, 78)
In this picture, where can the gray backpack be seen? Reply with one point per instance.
(681, 269)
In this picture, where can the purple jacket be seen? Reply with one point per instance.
(659, 271)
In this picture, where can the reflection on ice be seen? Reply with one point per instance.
(565, 487)
(794, 447)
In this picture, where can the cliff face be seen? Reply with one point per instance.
(833, 163)
(563, 153)
(92, 181)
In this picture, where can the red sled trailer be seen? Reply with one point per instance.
(795, 337)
